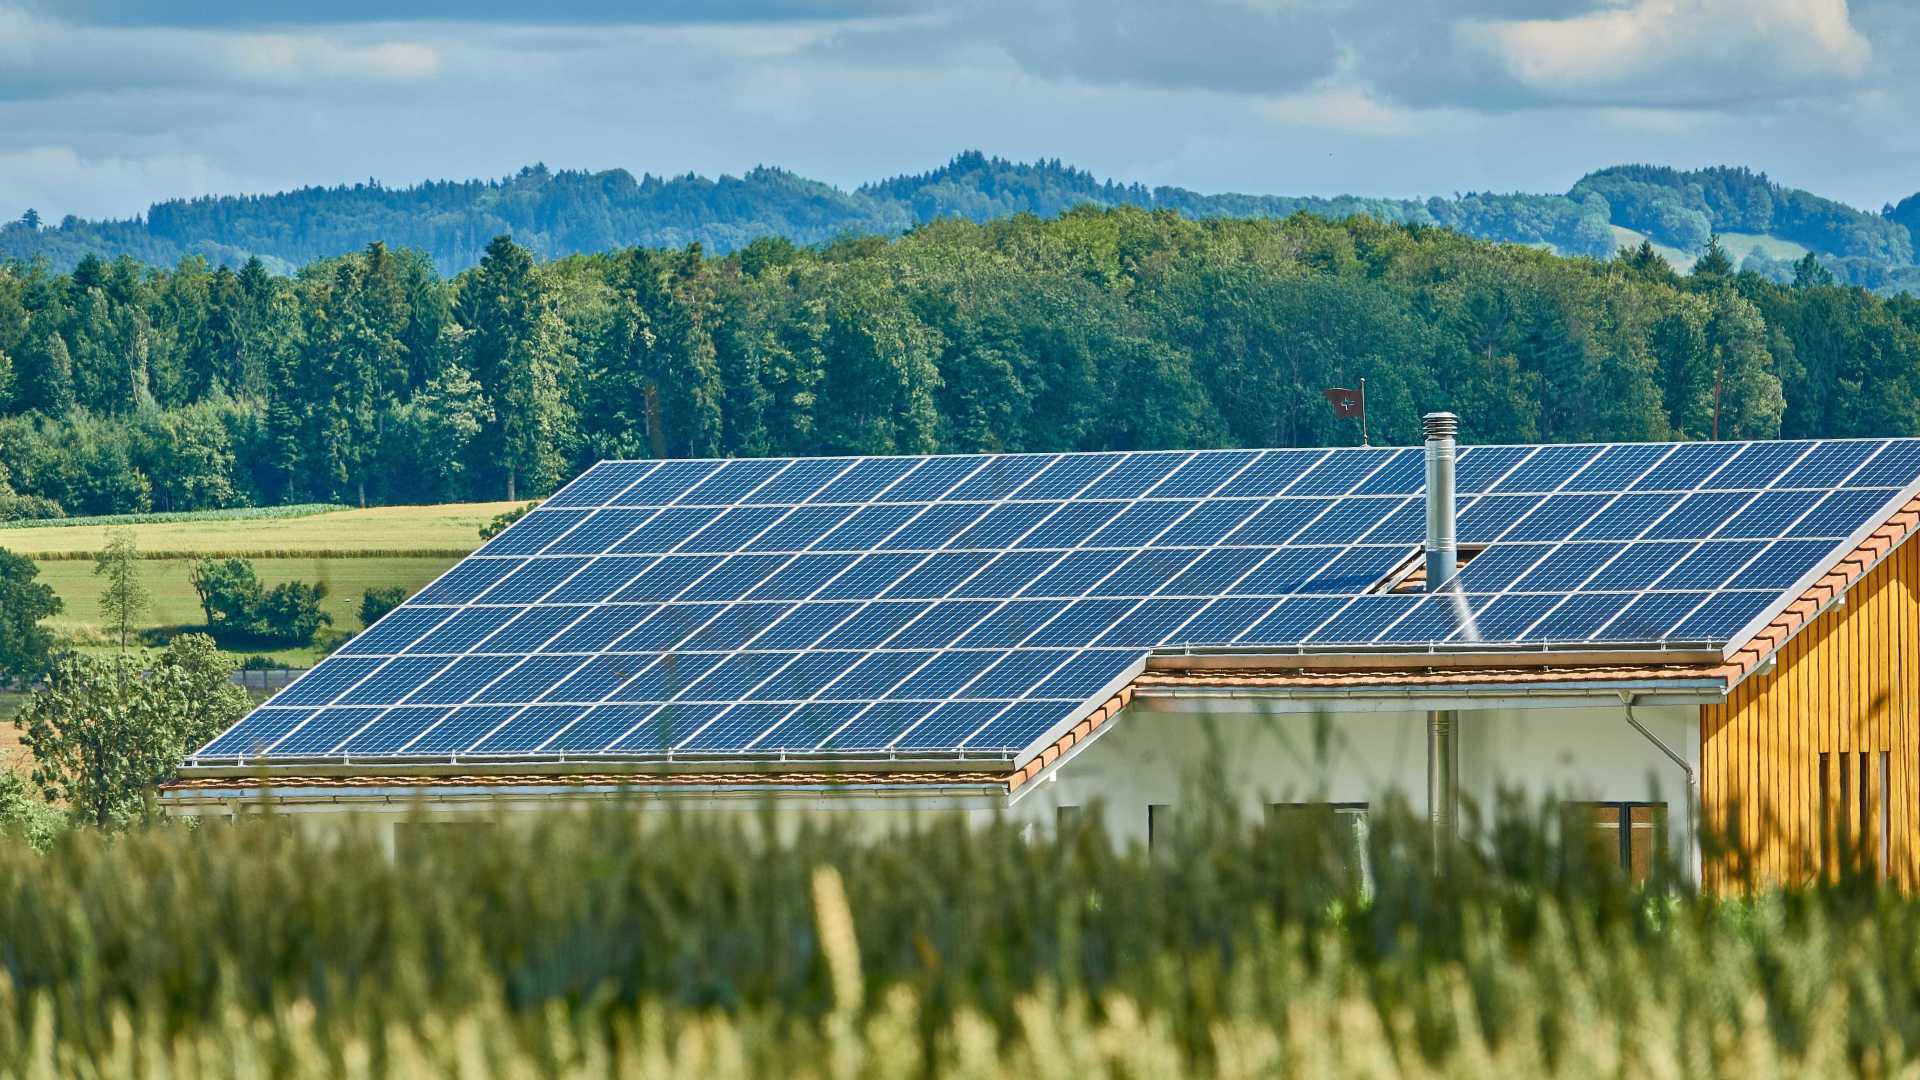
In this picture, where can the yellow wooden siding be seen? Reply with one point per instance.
(1844, 685)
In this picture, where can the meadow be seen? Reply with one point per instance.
(350, 551)
(626, 942)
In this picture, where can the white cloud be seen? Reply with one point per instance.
(41, 56)
(1354, 110)
(59, 180)
(1676, 52)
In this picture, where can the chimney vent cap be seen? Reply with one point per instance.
(1440, 425)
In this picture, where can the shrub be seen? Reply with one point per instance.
(237, 607)
(290, 613)
(379, 600)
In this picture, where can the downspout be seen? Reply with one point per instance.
(1693, 791)
(1442, 549)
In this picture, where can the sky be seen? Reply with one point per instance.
(109, 105)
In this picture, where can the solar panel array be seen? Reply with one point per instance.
(925, 606)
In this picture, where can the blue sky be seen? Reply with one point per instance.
(107, 105)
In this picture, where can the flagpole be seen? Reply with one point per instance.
(1364, 441)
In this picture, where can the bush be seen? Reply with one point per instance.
(290, 613)
(24, 815)
(377, 601)
(18, 509)
(237, 607)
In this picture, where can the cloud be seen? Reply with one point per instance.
(60, 180)
(1239, 46)
(106, 105)
(42, 56)
(1673, 53)
(232, 14)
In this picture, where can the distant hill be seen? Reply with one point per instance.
(560, 213)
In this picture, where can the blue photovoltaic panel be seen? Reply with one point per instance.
(974, 603)
(598, 485)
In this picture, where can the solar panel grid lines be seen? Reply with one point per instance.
(1781, 474)
(1089, 485)
(1622, 488)
(1218, 484)
(1242, 637)
(1093, 485)
(1904, 456)
(563, 630)
(1254, 565)
(477, 696)
(835, 478)
(691, 585)
(482, 690)
(956, 482)
(1516, 524)
(580, 665)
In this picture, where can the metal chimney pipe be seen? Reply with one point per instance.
(1442, 543)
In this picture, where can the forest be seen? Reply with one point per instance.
(371, 378)
(566, 212)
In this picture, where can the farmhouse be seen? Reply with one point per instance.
(1661, 635)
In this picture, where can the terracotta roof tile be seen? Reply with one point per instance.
(635, 780)
(1332, 677)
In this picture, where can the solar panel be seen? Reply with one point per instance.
(976, 603)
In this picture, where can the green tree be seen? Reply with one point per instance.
(517, 350)
(123, 595)
(1808, 273)
(45, 376)
(1751, 401)
(427, 444)
(1713, 263)
(229, 593)
(26, 647)
(289, 613)
(376, 602)
(102, 733)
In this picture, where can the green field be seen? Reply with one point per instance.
(448, 530)
(1737, 246)
(350, 551)
(1681, 261)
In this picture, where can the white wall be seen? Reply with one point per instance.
(1147, 757)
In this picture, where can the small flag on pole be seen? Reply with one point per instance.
(1348, 404)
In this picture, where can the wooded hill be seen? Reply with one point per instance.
(371, 377)
(554, 214)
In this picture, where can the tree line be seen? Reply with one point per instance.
(558, 213)
(372, 378)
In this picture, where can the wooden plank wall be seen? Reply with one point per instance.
(1847, 685)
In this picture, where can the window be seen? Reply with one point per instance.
(1855, 811)
(1344, 823)
(1159, 824)
(1627, 834)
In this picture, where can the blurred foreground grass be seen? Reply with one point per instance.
(645, 943)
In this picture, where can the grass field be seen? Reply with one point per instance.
(350, 551)
(451, 529)
(1738, 245)
(620, 941)
(1681, 261)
